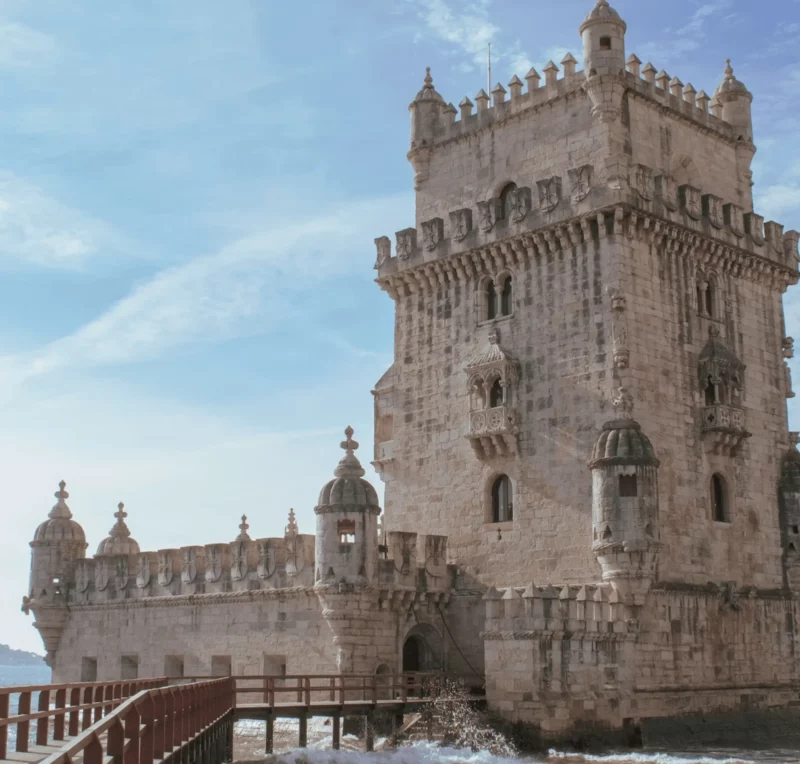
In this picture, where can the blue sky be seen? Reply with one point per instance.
(189, 192)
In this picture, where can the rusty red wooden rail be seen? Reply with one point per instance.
(191, 721)
(62, 710)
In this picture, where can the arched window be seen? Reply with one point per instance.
(719, 499)
(505, 199)
(496, 395)
(711, 298)
(491, 300)
(502, 502)
(505, 297)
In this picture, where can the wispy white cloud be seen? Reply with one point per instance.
(778, 200)
(22, 46)
(678, 41)
(468, 29)
(39, 229)
(247, 287)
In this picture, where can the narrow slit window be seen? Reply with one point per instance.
(505, 298)
(491, 300)
(347, 531)
(719, 499)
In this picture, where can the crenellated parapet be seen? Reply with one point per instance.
(585, 612)
(682, 219)
(244, 564)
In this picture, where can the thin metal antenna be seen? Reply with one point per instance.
(489, 73)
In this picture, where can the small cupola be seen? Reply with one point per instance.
(347, 524)
(603, 35)
(119, 539)
(736, 101)
(59, 526)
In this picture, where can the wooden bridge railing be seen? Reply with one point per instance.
(190, 720)
(62, 710)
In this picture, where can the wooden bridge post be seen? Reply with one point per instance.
(23, 728)
(43, 724)
(59, 721)
(369, 733)
(336, 723)
(270, 742)
(303, 741)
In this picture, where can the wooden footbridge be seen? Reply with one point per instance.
(190, 719)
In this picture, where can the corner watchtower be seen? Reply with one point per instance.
(603, 34)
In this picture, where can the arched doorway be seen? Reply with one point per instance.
(412, 658)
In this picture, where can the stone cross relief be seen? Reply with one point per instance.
(643, 182)
(487, 212)
(461, 223)
(549, 193)
(581, 179)
(432, 233)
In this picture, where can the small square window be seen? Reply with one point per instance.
(347, 531)
(89, 670)
(221, 665)
(605, 43)
(627, 486)
(129, 667)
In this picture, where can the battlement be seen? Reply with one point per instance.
(683, 101)
(566, 216)
(525, 612)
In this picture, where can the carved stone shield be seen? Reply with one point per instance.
(734, 217)
(266, 558)
(461, 223)
(295, 559)
(213, 563)
(712, 207)
(520, 202)
(549, 193)
(405, 553)
(83, 574)
(436, 555)
(166, 571)
(100, 574)
(239, 551)
(692, 206)
(433, 233)
(406, 243)
(754, 225)
(643, 181)
(581, 180)
(121, 573)
(143, 571)
(775, 236)
(189, 571)
(668, 192)
(487, 214)
(384, 250)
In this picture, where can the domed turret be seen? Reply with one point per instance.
(603, 34)
(625, 502)
(119, 539)
(347, 523)
(427, 112)
(57, 543)
(736, 100)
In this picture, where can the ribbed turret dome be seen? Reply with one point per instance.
(602, 12)
(59, 525)
(622, 440)
(348, 488)
(119, 539)
(428, 92)
(730, 84)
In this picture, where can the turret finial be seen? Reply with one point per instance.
(349, 466)
(120, 514)
(292, 529)
(60, 508)
(120, 529)
(428, 78)
(243, 526)
(728, 69)
(349, 445)
(623, 404)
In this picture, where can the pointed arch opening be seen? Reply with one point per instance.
(502, 500)
(720, 499)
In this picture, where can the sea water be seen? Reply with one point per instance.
(17, 676)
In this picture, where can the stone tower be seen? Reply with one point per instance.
(587, 231)
(58, 542)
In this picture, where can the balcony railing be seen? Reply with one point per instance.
(724, 427)
(493, 432)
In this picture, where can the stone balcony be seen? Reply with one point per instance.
(724, 428)
(493, 432)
